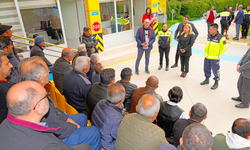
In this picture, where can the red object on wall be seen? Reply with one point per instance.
(96, 26)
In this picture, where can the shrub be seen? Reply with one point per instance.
(176, 5)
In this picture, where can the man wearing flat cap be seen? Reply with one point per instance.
(6, 31)
(37, 50)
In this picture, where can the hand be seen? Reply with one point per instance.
(73, 122)
(238, 68)
(146, 44)
(176, 39)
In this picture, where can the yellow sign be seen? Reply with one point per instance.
(162, 6)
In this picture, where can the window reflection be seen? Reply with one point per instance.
(108, 17)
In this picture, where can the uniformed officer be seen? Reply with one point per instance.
(246, 22)
(216, 46)
(224, 19)
(164, 40)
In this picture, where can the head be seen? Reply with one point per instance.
(86, 31)
(198, 112)
(148, 11)
(230, 9)
(240, 7)
(99, 68)
(27, 101)
(152, 82)
(212, 8)
(213, 29)
(6, 44)
(226, 8)
(146, 23)
(126, 14)
(108, 76)
(82, 64)
(185, 19)
(94, 58)
(164, 26)
(248, 8)
(126, 74)
(83, 53)
(5, 65)
(148, 106)
(34, 69)
(175, 94)
(39, 41)
(241, 127)
(81, 47)
(5, 30)
(196, 137)
(116, 94)
(187, 29)
(68, 54)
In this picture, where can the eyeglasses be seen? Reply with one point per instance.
(40, 101)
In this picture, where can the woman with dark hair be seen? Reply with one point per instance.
(186, 41)
(148, 15)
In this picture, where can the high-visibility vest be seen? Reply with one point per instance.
(246, 18)
(224, 15)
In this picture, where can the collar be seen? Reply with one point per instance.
(78, 72)
(30, 125)
(145, 29)
(164, 31)
(115, 107)
(39, 46)
(214, 35)
(103, 85)
(172, 103)
(4, 80)
(140, 117)
(63, 59)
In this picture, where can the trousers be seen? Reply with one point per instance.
(185, 63)
(208, 26)
(237, 31)
(243, 86)
(161, 52)
(214, 65)
(177, 55)
(245, 27)
(84, 135)
(224, 26)
(139, 56)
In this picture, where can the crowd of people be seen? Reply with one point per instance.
(123, 116)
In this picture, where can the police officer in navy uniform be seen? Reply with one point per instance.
(246, 22)
(224, 19)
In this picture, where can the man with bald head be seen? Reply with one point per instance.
(27, 104)
(137, 131)
(5, 70)
(145, 37)
(151, 86)
(61, 66)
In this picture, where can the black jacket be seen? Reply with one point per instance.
(186, 43)
(38, 51)
(91, 70)
(90, 42)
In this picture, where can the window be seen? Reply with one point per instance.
(107, 11)
(123, 8)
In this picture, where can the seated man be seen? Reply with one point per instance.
(137, 132)
(96, 77)
(151, 86)
(197, 114)
(94, 59)
(5, 69)
(107, 115)
(27, 104)
(99, 90)
(170, 111)
(126, 75)
(6, 45)
(81, 48)
(61, 67)
(89, 40)
(239, 138)
(37, 50)
(76, 84)
(196, 137)
(73, 130)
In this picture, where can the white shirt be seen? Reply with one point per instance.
(183, 115)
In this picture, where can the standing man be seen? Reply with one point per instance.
(231, 16)
(243, 86)
(89, 40)
(246, 22)
(224, 19)
(145, 37)
(178, 32)
(210, 16)
(238, 21)
(216, 46)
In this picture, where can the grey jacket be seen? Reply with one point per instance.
(179, 28)
(206, 14)
(245, 65)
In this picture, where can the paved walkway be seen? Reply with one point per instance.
(221, 110)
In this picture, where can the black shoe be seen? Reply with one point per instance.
(235, 38)
(241, 105)
(160, 68)
(137, 72)
(182, 75)
(147, 72)
(242, 37)
(175, 65)
(215, 86)
(206, 81)
(236, 99)
(245, 37)
(166, 69)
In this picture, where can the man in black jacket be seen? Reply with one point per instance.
(5, 69)
(89, 40)
(178, 31)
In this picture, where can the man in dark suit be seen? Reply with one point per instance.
(178, 31)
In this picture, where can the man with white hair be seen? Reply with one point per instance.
(94, 59)
(137, 131)
(80, 49)
(145, 37)
(76, 84)
(107, 115)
